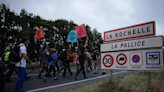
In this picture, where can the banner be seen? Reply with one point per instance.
(39, 34)
(81, 31)
(72, 36)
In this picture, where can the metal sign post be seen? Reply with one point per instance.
(148, 81)
(111, 74)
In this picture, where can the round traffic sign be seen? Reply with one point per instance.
(135, 58)
(108, 61)
(121, 59)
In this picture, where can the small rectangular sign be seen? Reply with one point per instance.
(156, 41)
(149, 60)
(135, 31)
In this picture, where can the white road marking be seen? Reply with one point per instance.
(72, 82)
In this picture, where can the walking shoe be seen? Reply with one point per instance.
(22, 90)
(96, 72)
(44, 79)
(71, 74)
(85, 77)
(55, 78)
(75, 77)
(103, 73)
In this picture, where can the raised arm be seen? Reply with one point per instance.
(86, 42)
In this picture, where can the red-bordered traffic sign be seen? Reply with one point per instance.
(125, 59)
(111, 58)
(135, 58)
(129, 27)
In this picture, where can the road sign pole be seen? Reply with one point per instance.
(148, 81)
(111, 74)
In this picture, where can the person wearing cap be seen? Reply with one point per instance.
(50, 63)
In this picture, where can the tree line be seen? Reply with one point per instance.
(55, 31)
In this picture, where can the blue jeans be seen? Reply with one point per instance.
(22, 75)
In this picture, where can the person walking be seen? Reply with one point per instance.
(44, 55)
(89, 60)
(50, 63)
(21, 66)
(33, 57)
(95, 62)
(62, 60)
(3, 33)
(7, 58)
(10, 67)
(81, 58)
(66, 55)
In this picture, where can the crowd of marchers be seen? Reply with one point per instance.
(17, 56)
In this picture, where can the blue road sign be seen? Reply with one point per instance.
(153, 58)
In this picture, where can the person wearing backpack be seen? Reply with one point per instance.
(66, 59)
(52, 58)
(95, 62)
(81, 58)
(3, 33)
(21, 65)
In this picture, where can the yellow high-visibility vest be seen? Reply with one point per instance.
(6, 58)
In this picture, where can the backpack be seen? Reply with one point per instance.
(64, 55)
(15, 54)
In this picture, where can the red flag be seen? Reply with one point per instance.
(81, 31)
(39, 34)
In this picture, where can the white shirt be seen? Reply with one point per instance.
(22, 62)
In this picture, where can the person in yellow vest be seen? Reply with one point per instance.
(7, 59)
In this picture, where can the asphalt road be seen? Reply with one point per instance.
(38, 85)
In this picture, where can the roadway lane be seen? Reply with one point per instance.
(37, 85)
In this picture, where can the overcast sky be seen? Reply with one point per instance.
(104, 15)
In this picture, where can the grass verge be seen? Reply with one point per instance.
(130, 83)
